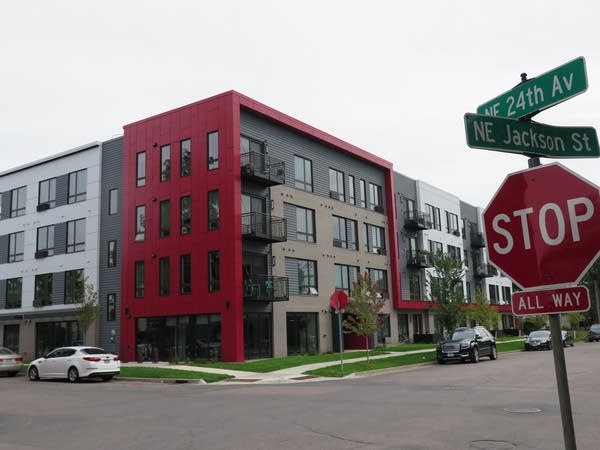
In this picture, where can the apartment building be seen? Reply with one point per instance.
(49, 235)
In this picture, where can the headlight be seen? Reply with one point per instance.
(464, 345)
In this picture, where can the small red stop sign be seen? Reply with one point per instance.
(338, 300)
(542, 227)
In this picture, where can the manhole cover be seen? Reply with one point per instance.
(523, 410)
(492, 445)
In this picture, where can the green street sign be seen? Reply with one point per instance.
(539, 93)
(530, 138)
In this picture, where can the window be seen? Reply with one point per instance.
(185, 274)
(76, 236)
(45, 241)
(414, 286)
(344, 233)
(409, 205)
(305, 224)
(306, 276)
(336, 185)
(468, 285)
(454, 252)
(506, 294)
(363, 194)
(11, 337)
(466, 258)
(303, 173)
(185, 153)
(213, 210)
(379, 280)
(113, 201)
(435, 248)
(14, 287)
(464, 228)
(163, 276)
(112, 254)
(165, 162)
(214, 281)
(77, 186)
(213, 150)
(345, 276)
(139, 279)
(140, 222)
(165, 221)
(111, 307)
(494, 294)
(351, 193)
(434, 215)
(18, 198)
(74, 286)
(47, 193)
(16, 244)
(452, 223)
(140, 178)
(375, 237)
(375, 198)
(43, 289)
(185, 214)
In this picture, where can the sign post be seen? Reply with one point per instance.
(339, 302)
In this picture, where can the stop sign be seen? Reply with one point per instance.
(338, 300)
(542, 227)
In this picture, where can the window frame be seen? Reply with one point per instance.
(185, 274)
(164, 276)
(213, 206)
(73, 233)
(164, 218)
(303, 167)
(111, 307)
(111, 253)
(43, 285)
(49, 244)
(18, 201)
(212, 150)
(139, 279)
(337, 189)
(18, 302)
(214, 271)
(185, 221)
(185, 157)
(68, 297)
(74, 195)
(140, 169)
(140, 223)
(308, 232)
(50, 198)
(165, 163)
(113, 201)
(16, 246)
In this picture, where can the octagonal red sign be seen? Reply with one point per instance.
(542, 227)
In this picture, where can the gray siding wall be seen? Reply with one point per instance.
(4, 249)
(5, 205)
(58, 288)
(62, 189)
(110, 230)
(283, 143)
(2, 294)
(291, 271)
(60, 238)
(289, 213)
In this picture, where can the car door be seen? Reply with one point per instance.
(63, 362)
(484, 341)
(47, 366)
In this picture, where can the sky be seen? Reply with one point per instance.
(394, 78)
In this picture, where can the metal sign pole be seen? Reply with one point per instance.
(339, 313)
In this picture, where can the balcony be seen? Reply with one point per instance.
(262, 169)
(416, 220)
(418, 259)
(477, 240)
(264, 227)
(484, 271)
(264, 288)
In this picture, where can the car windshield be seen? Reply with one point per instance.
(459, 335)
(595, 328)
(6, 351)
(539, 334)
(93, 351)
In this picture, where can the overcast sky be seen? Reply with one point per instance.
(392, 77)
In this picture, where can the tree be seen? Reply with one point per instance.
(443, 283)
(592, 281)
(483, 312)
(363, 310)
(575, 318)
(88, 307)
(533, 323)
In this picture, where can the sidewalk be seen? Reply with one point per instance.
(288, 375)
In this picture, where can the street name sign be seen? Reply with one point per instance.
(542, 227)
(551, 301)
(539, 93)
(530, 138)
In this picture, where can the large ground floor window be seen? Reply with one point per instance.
(258, 336)
(177, 338)
(11, 337)
(403, 333)
(302, 333)
(49, 335)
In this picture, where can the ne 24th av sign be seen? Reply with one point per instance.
(551, 301)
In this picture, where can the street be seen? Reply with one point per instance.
(511, 403)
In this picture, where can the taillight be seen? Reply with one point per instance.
(116, 358)
(92, 358)
(19, 359)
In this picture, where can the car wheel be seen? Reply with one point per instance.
(550, 346)
(475, 355)
(493, 353)
(106, 377)
(73, 375)
(33, 374)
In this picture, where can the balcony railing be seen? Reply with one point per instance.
(264, 288)
(262, 169)
(418, 260)
(484, 271)
(477, 240)
(264, 227)
(416, 220)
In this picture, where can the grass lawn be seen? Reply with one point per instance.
(157, 372)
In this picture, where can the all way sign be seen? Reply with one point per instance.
(551, 301)
(530, 138)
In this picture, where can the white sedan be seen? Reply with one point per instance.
(74, 363)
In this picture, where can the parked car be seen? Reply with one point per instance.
(594, 332)
(538, 340)
(567, 339)
(10, 362)
(467, 344)
(74, 363)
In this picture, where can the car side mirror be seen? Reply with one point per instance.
(477, 337)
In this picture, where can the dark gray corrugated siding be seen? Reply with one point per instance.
(5, 205)
(62, 187)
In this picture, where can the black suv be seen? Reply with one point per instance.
(467, 344)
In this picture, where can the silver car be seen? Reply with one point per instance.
(10, 362)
